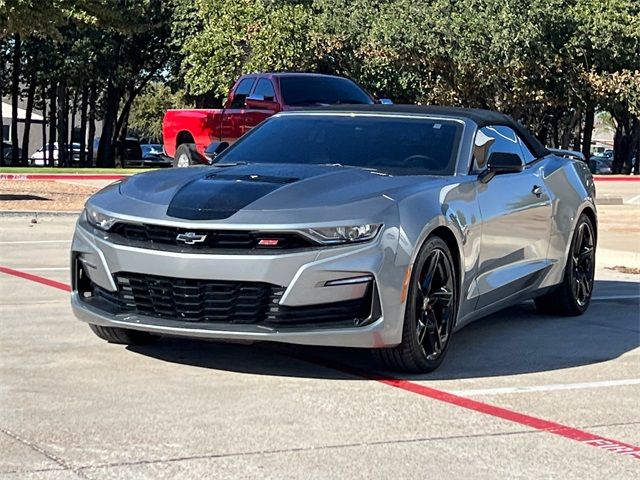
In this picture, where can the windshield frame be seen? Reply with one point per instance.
(461, 148)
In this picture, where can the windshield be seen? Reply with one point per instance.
(310, 90)
(399, 146)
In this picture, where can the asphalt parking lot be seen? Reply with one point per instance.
(521, 395)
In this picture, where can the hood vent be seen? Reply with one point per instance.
(252, 178)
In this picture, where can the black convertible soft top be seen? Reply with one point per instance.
(483, 118)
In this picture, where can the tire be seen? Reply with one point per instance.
(429, 319)
(123, 336)
(573, 296)
(186, 156)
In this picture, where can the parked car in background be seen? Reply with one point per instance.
(39, 157)
(252, 99)
(153, 156)
(7, 151)
(132, 151)
(599, 166)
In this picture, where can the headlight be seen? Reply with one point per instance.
(98, 219)
(354, 233)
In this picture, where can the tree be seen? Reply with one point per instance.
(243, 36)
(149, 107)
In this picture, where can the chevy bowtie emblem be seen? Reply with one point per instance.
(191, 238)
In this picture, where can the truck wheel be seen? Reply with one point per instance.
(123, 335)
(186, 155)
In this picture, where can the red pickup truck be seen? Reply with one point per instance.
(187, 133)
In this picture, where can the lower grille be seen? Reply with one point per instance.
(219, 302)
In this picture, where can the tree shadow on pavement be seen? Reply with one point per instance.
(512, 342)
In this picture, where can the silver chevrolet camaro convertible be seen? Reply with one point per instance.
(382, 227)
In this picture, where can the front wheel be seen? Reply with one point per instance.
(430, 312)
(573, 295)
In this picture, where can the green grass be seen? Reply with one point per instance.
(89, 171)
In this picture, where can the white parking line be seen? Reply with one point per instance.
(24, 242)
(635, 199)
(547, 388)
(617, 297)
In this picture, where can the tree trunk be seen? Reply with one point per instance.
(569, 129)
(587, 133)
(556, 132)
(44, 121)
(63, 123)
(622, 144)
(74, 109)
(92, 121)
(31, 92)
(83, 127)
(578, 133)
(53, 127)
(635, 150)
(105, 148)
(15, 93)
(1, 134)
(121, 127)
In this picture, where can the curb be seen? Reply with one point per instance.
(52, 213)
(616, 178)
(59, 176)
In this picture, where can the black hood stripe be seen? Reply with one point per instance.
(218, 195)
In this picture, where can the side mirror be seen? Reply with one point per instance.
(385, 101)
(259, 102)
(214, 149)
(501, 162)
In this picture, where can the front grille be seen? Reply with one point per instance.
(161, 237)
(216, 301)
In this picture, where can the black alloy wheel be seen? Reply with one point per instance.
(582, 259)
(430, 314)
(434, 304)
(573, 296)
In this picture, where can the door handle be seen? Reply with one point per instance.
(537, 191)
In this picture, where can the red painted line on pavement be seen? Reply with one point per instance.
(536, 423)
(565, 431)
(628, 178)
(59, 176)
(36, 278)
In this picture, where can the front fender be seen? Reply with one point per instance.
(453, 207)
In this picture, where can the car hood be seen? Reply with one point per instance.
(216, 193)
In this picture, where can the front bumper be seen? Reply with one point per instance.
(302, 275)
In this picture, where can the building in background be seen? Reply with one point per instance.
(39, 130)
(35, 133)
(603, 133)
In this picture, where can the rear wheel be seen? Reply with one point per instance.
(186, 155)
(123, 335)
(573, 295)
(430, 312)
